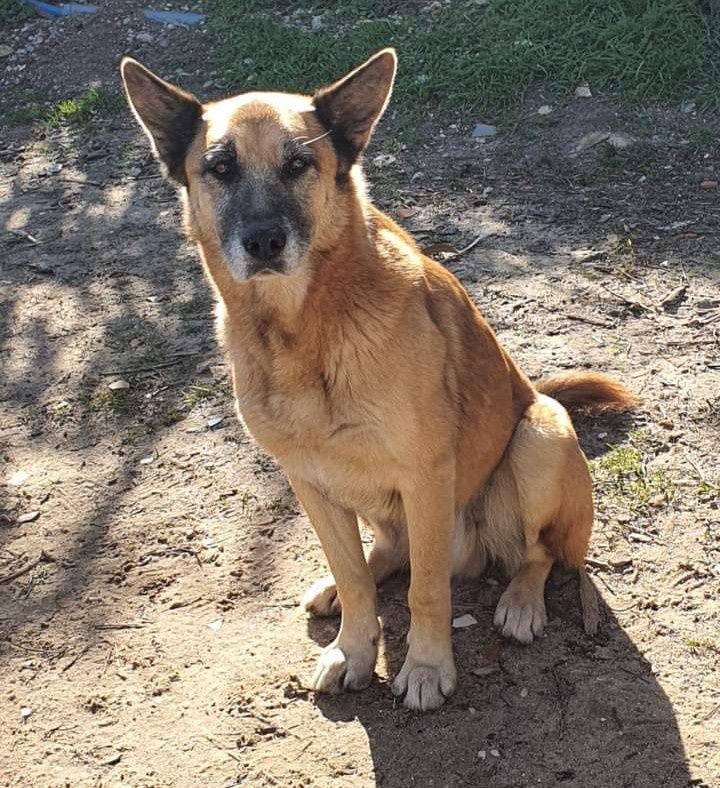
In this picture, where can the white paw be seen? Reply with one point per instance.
(425, 686)
(337, 670)
(321, 599)
(520, 613)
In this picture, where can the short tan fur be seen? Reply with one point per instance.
(365, 369)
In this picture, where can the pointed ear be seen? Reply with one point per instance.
(350, 108)
(169, 116)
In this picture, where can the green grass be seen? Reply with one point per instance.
(12, 14)
(198, 392)
(701, 646)
(31, 106)
(467, 61)
(622, 475)
(84, 109)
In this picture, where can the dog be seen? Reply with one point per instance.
(366, 370)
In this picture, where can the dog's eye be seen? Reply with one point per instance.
(221, 168)
(297, 165)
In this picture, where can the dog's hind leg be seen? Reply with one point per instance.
(545, 485)
(388, 554)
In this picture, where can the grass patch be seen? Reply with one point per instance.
(198, 392)
(464, 59)
(104, 400)
(624, 477)
(84, 109)
(25, 107)
(701, 646)
(12, 14)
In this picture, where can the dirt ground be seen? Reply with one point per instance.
(152, 558)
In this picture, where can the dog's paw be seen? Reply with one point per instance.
(338, 669)
(322, 599)
(521, 613)
(425, 687)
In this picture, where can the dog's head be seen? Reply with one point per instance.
(263, 173)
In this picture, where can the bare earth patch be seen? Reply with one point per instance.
(151, 565)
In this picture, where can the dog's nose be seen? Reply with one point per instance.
(264, 242)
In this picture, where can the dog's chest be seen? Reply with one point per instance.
(318, 434)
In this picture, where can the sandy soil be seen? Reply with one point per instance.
(151, 564)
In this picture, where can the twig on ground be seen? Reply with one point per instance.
(470, 246)
(593, 321)
(628, 301)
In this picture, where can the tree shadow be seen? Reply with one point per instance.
(569, 710)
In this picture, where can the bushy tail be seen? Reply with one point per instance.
(592, 392)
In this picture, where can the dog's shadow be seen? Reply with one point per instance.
(570, 710)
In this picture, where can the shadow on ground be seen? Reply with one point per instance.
(590, 707)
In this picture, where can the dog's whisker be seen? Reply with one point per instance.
(314, 139)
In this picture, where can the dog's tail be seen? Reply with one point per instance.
(592, 392)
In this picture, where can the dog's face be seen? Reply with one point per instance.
(264, 173)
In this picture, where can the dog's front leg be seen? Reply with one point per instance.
(428, 675)
(348, 662)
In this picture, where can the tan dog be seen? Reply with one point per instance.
(365, 369)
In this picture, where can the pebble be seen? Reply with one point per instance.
(583, 91)
(118, 385)
(316, 23)
(483, 130)
(619, 140)
(620, 561)
(546, 109)
(28, 517)
(464, 621)
(591, 139)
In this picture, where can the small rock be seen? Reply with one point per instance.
(118, 385)
(546, 109)
(28, 517)
(215, 624)
(483, 130)
(619, 140)
(213, 421)
(709, 185)
(523, 693)
(495, 753)
(18, 478)
(639, 537)
(464, 621)
(5, 50)
(620, 561)
(25, 712)
(316, 23)
(482, 755)
(485, 670)
(406, 213)
(591, 139)
(53, 168)
(688, 106)
(147, 460)
(583, 91)
(383, 159)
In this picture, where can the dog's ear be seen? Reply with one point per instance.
(169, 116)
(350, 108)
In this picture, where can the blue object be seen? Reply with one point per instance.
(173, 17)
(65, 9)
